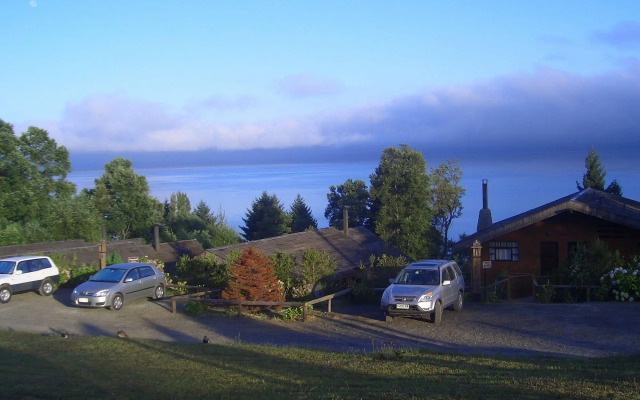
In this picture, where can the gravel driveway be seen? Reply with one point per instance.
(508, 328)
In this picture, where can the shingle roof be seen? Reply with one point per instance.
(87, 253)
(602, 205)
(347, 250)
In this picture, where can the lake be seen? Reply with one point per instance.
(513, 188)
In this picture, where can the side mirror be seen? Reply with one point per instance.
(446, 283)
(128, 280)
(18, 272)
(391, 281)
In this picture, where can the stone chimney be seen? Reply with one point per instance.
(345, 218)
(484, 219)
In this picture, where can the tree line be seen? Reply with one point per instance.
(408, 206)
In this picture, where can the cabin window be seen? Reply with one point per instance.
(504, 251)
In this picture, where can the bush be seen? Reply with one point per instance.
(205, 271)
(114, 258)
(294, 313)
(623, 283)
(195, 308)
(252, 278)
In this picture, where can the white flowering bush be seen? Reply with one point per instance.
(623, 284)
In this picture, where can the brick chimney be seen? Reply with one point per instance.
(484, 219)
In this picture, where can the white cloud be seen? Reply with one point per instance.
(547, 111)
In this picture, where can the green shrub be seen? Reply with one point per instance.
(205, 271)
(195, 308)
(81, 274)
(294, 313)
(114, 258)
(316, 265)
(284, 268)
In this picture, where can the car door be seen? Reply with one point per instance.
(449, 290)
(148, 281)
(21, 277)
(132, 285)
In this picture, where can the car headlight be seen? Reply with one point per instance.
(75, 291)
(425, 297)
(102, 293)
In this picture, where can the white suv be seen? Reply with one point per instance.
(423, 289)
(22, 274)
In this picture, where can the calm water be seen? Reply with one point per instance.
(512, 190)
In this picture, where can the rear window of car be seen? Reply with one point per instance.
(145, 272)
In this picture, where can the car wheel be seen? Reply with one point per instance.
(388, 318)
(159, 292)
(116, 302)
(459, 303)
(436, 317)
(5, 294)
(46, 287)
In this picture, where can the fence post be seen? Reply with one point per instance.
(508, 287)
(304, 312)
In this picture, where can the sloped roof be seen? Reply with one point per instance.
(593, 202)
(87, 253)
(347, 250)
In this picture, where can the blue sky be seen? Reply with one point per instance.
(498, 85)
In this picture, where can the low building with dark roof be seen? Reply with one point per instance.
(539, 242)
(350, 248)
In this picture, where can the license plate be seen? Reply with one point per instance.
(402, 306)
(83, 300)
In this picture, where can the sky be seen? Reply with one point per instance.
(501, 86)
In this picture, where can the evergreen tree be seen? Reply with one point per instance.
(595, 175)
(301, 217)
(252, 278)
(353, 194)
(265, 219)
(401, 190)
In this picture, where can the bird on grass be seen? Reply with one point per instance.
(122, 334)
(205, 340)
(64, 334)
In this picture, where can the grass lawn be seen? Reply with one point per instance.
(50, 367)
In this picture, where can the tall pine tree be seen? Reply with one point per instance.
(265, 219)
(301, 217)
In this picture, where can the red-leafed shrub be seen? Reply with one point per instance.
(253, 278)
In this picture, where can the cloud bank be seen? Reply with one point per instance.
(547, 110)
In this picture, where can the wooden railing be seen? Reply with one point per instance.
(537, 285)
(199, 296)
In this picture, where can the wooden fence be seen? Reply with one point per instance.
(199, 296)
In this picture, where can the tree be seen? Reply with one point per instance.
(37, 202)
(179, 206)
(253, 278)
(446, 198)
(265, 219)
(401, 192)
(595, 175)
(353, 194)
(301, 217)
(123, 198)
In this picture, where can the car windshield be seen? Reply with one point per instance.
(418, 277)
(6, 267)
(108, 275)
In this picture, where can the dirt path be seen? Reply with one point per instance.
(510, 328)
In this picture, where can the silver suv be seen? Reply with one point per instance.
(22, 274)
(423, 289)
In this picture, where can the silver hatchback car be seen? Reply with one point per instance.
(423, 289)
(119, 283)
